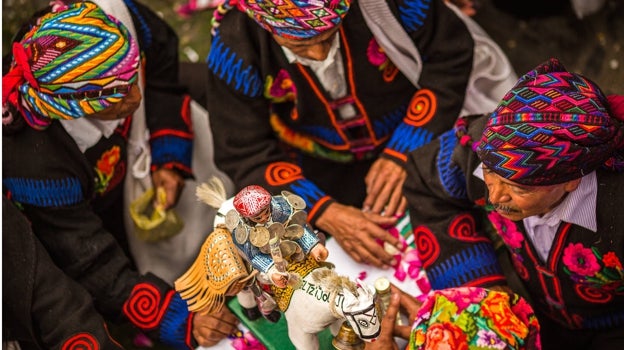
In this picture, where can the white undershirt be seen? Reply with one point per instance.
(330, 73)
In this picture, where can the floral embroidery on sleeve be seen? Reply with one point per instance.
(106, 170)
(280, 89)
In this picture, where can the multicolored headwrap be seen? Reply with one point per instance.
(474, 318)
(296, 19)
(73, 63)
(553, 126)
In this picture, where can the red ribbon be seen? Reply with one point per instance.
(19, 73)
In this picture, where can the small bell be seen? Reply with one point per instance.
(347, 339)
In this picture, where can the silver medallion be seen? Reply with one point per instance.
(259, 236)
(231, 219)
(241, 233)
(300, 217)
(277, 230)
(293, 232)
(296, 202)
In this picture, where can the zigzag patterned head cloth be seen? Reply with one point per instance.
(73, 63)
(296, 19)
(553, 126)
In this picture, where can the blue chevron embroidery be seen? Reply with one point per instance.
(173, 326)
(451, 176)
(389, 122)
(330, 136)
(145, 30)
(471, 263)
(308, 191)
(413, 14)
(224, 63)
(407, 138)
(166, 149)
(45, 193)
(604, 321)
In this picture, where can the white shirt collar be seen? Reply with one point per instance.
(86, 132)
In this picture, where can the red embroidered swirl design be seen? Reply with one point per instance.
(463, 228)
(427, 245)
(520, 269)
(81, 341)
(421, 109)
(281, 173)
(592, 294)
(142, 306)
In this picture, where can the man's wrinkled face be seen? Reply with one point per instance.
(316, 48)
(516, 202)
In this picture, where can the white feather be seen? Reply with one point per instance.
(212, 192)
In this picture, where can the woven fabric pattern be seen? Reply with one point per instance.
(553, 126)
(296, 19)
(74, 62)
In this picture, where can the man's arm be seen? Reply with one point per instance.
(448, 224)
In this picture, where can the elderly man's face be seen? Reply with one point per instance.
(516, 202)
(316, 48)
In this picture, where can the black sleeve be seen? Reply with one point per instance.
(42, 304)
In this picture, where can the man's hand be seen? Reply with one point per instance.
(399, 300)
(384, 188)
(358, 232)
(209, 329)
(171, 182)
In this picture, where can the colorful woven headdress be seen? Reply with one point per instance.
(296, 19)
(553, 126)
(474, 318)
(74, 62)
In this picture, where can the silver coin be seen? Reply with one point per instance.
(288, 248)
(287, 193)
(293, 232)
(276, 229)
(259, 236)
(300, 217)
(241, 233)
(232, 219)
(296, 202)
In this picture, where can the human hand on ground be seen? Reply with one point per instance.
(384, 188)
(171, 181)
(358, 233)
(209, 329)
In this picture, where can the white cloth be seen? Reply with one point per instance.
(87, 132)
(170, 258)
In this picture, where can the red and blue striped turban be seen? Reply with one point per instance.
(73, 63)
(296, 19)
(553, 126)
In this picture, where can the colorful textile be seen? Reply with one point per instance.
(553, 126)
(296, 19)
(475, 318)
(72, 63)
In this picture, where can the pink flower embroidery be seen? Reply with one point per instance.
(580, 260)
(507, 230)
(282, 88)
(376, 54)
